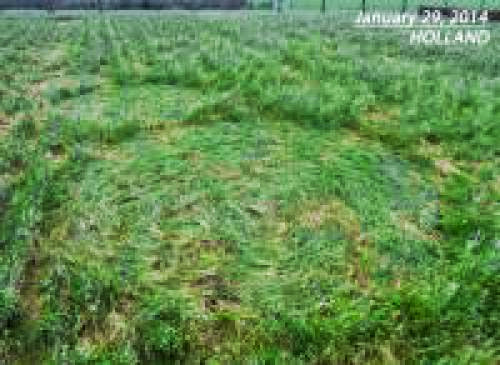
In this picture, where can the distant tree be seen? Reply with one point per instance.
(50, 6)
(277, 4)
(100, 5)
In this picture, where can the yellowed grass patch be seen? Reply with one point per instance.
(334, 212)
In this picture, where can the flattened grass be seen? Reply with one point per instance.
(165, 201)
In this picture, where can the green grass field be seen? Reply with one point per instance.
(246, 188)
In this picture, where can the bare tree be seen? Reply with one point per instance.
(100, 5)
(277, 5)
(50, 5)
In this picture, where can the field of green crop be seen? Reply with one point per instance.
(244, 188)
